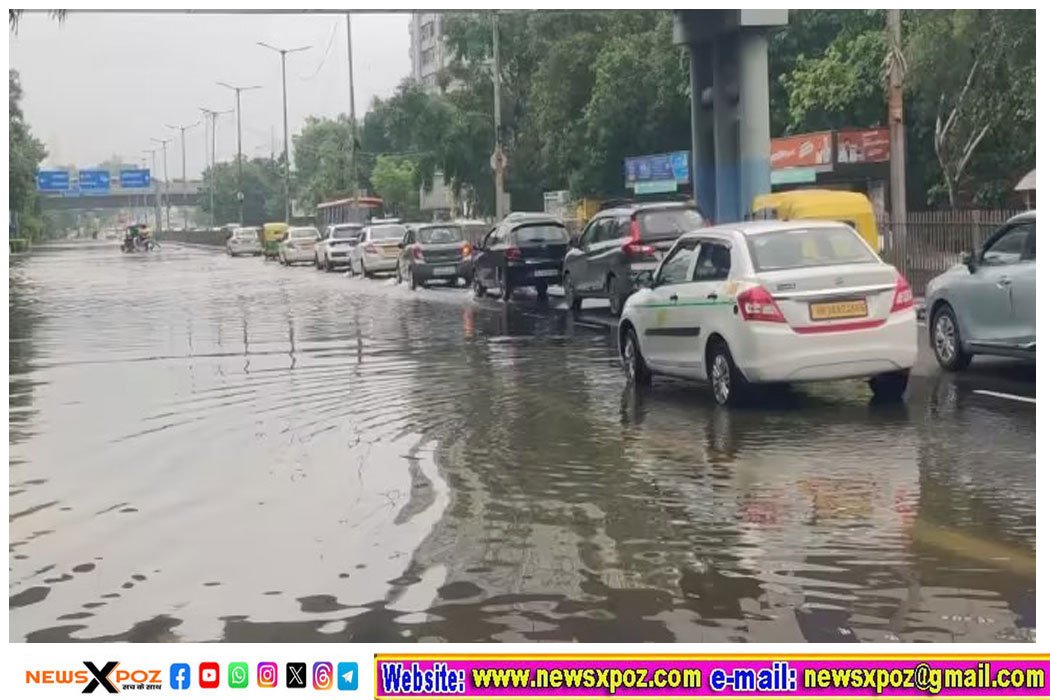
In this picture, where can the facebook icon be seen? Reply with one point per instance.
(180, 676)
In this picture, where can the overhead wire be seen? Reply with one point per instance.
(331, 38)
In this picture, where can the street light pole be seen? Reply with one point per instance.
(287, 153)
(497, 154)
(182, 130)
(156, 185)
(353, 117)
(167, 185)
(240, 160)
(211, 184)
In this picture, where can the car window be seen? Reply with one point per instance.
(345, 233)
(440, 234)
(621, 228)
(713, 262)
(591, 233)
(675, 268)
(541, 233)
(1008, 247)
(808, 247)
(387, 232)
(303, 233)
(1029, 252)
(668, 223)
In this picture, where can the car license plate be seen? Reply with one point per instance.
(445, 270)
(545, 273)
(826, 311)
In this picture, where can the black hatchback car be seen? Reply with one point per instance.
(618, 245)
(522, 251)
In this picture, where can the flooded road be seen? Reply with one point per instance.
(214, 449)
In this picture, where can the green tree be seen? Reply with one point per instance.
(26, 154)
(394, 179)
(322, 161)
(263, 191)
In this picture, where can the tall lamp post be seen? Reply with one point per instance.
(182, 131)
(287, 153)
(156, 185)
(211, 185)
(167, 185)
(240, 161)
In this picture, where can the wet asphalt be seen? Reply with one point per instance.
(215, 449)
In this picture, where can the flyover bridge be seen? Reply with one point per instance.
(175, 193)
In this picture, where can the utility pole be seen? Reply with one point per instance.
(182, 130)
(156, 185)
(497, 154)
(895, 93)
(353, 117)
(167, 185)
(240, 159)
(287, 152)
(211, 184)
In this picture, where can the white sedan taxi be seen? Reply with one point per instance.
(299, 245)
(772, 302)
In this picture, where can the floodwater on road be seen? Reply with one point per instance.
(205, 448)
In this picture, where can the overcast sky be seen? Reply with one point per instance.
(104, 84)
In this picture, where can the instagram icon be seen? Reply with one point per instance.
(266, 674)
(322, 675)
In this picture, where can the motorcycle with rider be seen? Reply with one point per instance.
(137, 239)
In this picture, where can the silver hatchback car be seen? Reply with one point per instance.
(986, 305)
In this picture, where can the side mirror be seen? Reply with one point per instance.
(646, 279)
(574, 241)
(968, 259)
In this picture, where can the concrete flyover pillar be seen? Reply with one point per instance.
(731, 169)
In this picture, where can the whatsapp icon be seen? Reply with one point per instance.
(238, 674)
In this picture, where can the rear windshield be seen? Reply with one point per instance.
(389, 232)
(808, 247)
(669, 223)
(442, 234)
(541, 233)
(346, 232)
(245, 233)
(303, 233)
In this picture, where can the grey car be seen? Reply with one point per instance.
(986, 305)
(438, 251)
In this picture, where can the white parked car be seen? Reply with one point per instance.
(244, 241)
(772, 302)
(334, 249)
(298, 245)
(378, 250)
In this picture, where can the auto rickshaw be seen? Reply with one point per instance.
(137, 238)
(271, 236)
(852, 208)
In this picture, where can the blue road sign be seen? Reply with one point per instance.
(52, 180)
(134, 179)
(94, 181)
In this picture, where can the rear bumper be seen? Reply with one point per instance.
(299, 254)
(531, 275)
(379, 263)
(773, 352)
(338, 257)
(429, 270)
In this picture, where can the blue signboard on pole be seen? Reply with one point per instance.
(94, 181)
(662, 172)
(134, 179)
(52, 180)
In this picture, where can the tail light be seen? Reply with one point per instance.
(635, 246)
(902, 296)
(369, 248)
(757, 304)
(466, 250)
(417, 252)
(513, 254)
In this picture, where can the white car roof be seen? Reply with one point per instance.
(753, 228)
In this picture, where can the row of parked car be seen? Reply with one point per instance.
(736, 305)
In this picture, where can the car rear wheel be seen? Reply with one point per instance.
(634, 366)
(328, 265)
(479, 288)
(506, 289)
(400, 277)
(413, 281)
(889, 387)
(946, 341)
(364, 270)
(572, 300)
(728, 386)
(541, 293)
(616, 298)
(317, 262)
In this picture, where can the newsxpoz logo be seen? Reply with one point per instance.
(110, 677)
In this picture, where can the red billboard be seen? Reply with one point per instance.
(863, 145)
(804, 150)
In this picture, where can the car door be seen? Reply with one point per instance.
(661, 320)
(576, 257)
(606, 255)
(1022, 294)
(484, 268)
(703, 305)
(983, 299)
